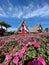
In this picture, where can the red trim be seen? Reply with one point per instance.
(22, 31)
(37, 32)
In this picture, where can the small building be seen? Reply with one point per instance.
(22, 29)
(36, 28)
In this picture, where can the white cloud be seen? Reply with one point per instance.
(12, 29)
(29, 11)
(9, 3)
(39, 12)
(2, 13)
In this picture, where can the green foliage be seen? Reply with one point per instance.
(2, 58)
(31, 51)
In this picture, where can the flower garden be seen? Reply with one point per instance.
(24, 49)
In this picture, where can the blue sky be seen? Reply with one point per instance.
(32, 11)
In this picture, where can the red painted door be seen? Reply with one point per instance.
(23, 29)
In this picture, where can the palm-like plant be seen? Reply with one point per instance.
(6, 25)
(3, 24)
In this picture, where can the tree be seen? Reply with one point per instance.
(7, 26)
(3, 24)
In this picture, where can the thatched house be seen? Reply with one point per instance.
(36, 28)
(22, 28)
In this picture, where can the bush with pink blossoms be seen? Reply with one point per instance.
(8, 56)
(33, 47)
(37, 61)
(15, 60)
(41, 60)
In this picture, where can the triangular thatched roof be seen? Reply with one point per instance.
(35, 28)
(23, 22)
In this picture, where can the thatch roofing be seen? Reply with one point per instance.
(23, 22)
(35, 28)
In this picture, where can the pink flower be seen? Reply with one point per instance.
(36, 44)
(23, 49)
(47, 44)
(16, 54)
(0, 64)
(26, 45)
(20, 43)
(8, 56)
(15, 60)
(3, 52)
(35, 62)
(1, 47)
(20, 54)
(6, 63)
(38, 61)
(13, 49)
(20, 62)
(41, 60)
(29, 43)
(30, 63)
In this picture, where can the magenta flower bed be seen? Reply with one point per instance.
(28, 49)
